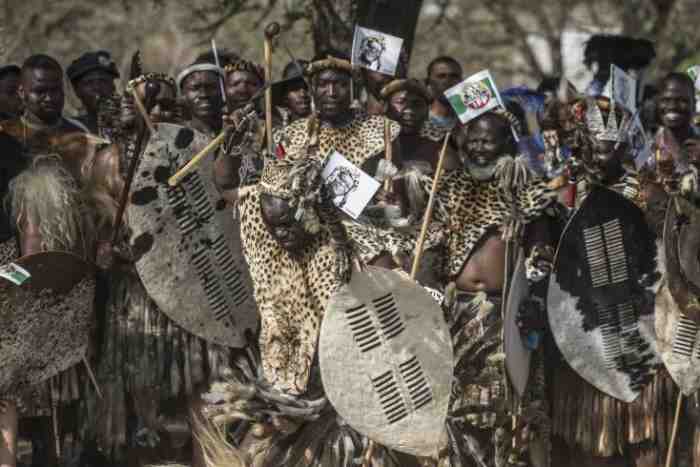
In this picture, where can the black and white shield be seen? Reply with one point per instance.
(602, 293)
(677, 305)
(188, 241)
(386, 360)
(46, 314)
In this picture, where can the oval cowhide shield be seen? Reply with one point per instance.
(602, 292)
(386, 360)
(677, 302)
(188, 243)
(45, 322)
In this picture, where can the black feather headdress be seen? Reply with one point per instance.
(623, 51)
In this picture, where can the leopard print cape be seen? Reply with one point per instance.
(291, 293)
(432, 132)
(358, 141)
(468, 208)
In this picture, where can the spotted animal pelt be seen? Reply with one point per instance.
(291, 293)
(360, 140)
(468, 208)
(431, 131)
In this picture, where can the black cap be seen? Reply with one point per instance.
(7, 69)
(89, 61)
(292, 75)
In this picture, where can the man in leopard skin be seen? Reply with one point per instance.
(360, 138)
(490, 210)
(298, 256)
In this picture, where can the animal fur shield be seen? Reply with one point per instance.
(386, 360)
(602, 292)
(188, 242)
(45, 323)
(517, 354)
(677, 305)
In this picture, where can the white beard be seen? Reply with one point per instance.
(484, 173)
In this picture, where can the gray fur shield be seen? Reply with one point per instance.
(188, 243)
(677, 302)
(45, 322)
(602, 293)
(386, 360)
(518, 356)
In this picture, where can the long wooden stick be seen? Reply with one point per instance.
(190, 166)
(429, 209)
(142, 110)
(271, 31)
(674, 432)
(388, 150)
(369, 452)
(91, 374)
(54, 418)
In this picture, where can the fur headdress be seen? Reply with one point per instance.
(329, 63)
(161, 77)
(299, 182)
(247, 66)
(47, 195)
(411, 85)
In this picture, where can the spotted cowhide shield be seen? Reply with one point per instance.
(188, 242)
(602, 292)
(677, 307)
(386, 360)
(45, 322)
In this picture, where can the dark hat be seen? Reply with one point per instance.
(292, 75)
(89, 61)
(7, 69)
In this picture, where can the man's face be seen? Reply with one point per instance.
(409, 109)
(298, 100)
(606, 160)
(376, 81)
(93, 85)
(164, 108)
(372, 50)
(280, 222)
(675, 104)
(332, 95)
(488, 139)
(9, 97)
(442, 77)
(240, 87)
(42, 93)
(203, 96)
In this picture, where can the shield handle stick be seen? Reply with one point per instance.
(272, 30)
(674, 432)
(429, 209)
(187, 168)
(388, 150)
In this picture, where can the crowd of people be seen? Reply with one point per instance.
(210, 294)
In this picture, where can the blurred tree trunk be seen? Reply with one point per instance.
(332, 23)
